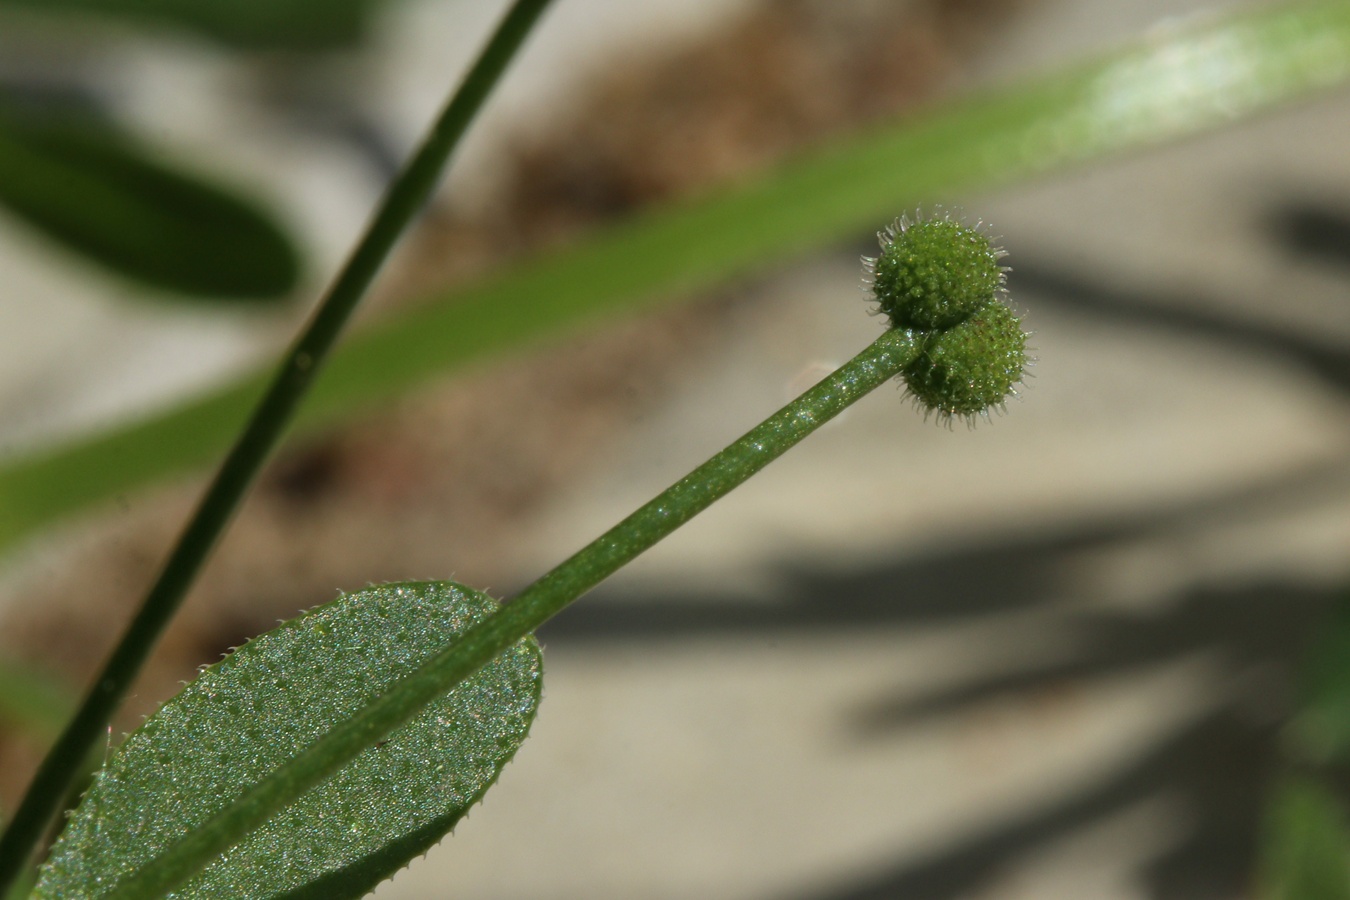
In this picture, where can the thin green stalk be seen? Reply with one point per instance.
(882, 360)
(404, 198)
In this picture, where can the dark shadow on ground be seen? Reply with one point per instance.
(1219, 769)
(1312, 229)
(1000, 574)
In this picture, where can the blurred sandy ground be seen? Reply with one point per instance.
(1046, 658)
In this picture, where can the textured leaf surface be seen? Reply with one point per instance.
(272, 698)
(91, 188)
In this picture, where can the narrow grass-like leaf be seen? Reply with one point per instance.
(95, 190)
(275, 697)
(1170, 86)
(1307, 852)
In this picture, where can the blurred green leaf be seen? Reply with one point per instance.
(278, 697)
(247, 24)
(1319, 733)
(93, 189)
(1307, 852)
(1163, 88)
(22, 887)
(33, 703)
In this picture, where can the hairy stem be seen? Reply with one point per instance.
(881, 361)
(404, 198)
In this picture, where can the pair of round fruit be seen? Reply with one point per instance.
(942, 281)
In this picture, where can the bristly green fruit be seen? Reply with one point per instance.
(971, 368)
(933, 273)
(941, 280)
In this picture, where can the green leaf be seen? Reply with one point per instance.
(1319, 733)
(1164, 88)
(271, 700)
(22, 887)
(1307, 854)
(250, 24)
(95, 190)
(33, 703)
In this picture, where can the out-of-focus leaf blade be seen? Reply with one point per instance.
(1307, 853)
(277, 696)
(1166, 87)
(1319, 733)
(250, 24)
(33, 703)
(22, 887)
(96, 191)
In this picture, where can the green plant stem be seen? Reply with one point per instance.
(879, 362)
(405, 197)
